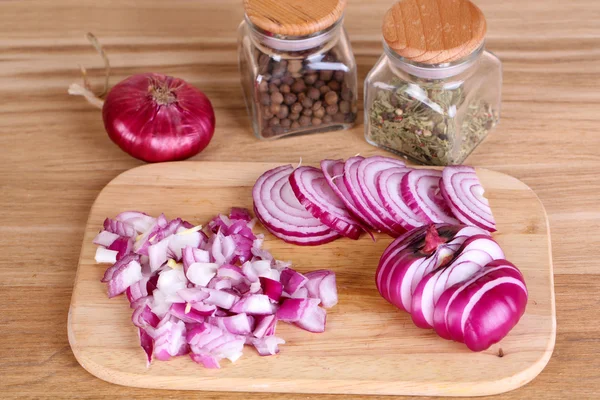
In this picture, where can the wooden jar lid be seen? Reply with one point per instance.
(434, 31)
(294, 17)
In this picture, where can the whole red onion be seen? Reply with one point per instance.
(155, 118)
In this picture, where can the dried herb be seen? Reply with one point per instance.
(421, 121)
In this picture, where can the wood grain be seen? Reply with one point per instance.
(434, 31)
(294, 17)
(55, 158)
(369, 346)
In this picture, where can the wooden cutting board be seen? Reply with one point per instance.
(369, 347)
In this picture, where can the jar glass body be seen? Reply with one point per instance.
(434, 115)
(297, 85)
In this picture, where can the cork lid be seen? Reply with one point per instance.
(434, 31)
(294, 17)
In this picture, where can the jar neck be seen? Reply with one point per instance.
(432, 71)
(322, 40)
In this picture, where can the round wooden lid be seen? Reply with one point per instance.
(294, 17)
(434, 31)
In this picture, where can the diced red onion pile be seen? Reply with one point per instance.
(207, 295)
(454, 279)
(311, 206)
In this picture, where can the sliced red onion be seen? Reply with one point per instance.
(314, 193)
(186, 313)
(122, 246)
(304, 313)
(105, 238)
(322, 285)
(277, 207)
(271, 288)
(265, 326)
(220, 283)
(238, 324)
(140, 221)
(193, 294)
(220, 298)
(124, 277)
(191, 255)
(143, 317)
(231, 272)
(181, 240)
(333, 171)
(463, 192)
(292, 280)
(169, 339)
(253, 304)
(302, 241)
(368, 174)
(267, 346)
(138, 290)
(147, 343)
(388, 188)
(201, 273)
(118, 227)
(354, 187)
(105, 256)
(420, 190)
(207, 360)
(158, 254)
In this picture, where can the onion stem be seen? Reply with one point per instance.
(86, 90)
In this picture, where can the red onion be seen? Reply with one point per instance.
(152, 117)
(420, 191)
(313, 192)
(454, 279)
(210, 304)
(463, 192)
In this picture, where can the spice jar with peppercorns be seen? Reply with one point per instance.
(434, 95)
(297, 67)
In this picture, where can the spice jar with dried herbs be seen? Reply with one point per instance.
(434, 95)
(297, 67)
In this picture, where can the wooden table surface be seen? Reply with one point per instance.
(55, 157)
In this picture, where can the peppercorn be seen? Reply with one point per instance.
(310, 79)
(290, 98)
(294, 116)
(308, 112)
(283, 112)
(319, 112)
(263, 86)
(267, 114)
(286, 123)
(274, 122)
(273, 88)
(332, 109)
(276, 81)
(324, 89)
(325, 75)
(265, 99)
(327, 119)
(331, 98)
(319, 84)
(313, 93)
(275, 108)
(288, 80)
(307, 103)
(316, 105)
(347, 93)
(295, 125)
(339, 76)
(316, 121)
(284, 88)
(276, 98)
(296, 108)
(334, 85)
(298, 86)
(304, 120)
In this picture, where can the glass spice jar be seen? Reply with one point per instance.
(297, 68)
(434, 95)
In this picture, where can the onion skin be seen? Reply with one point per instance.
(156, 118)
